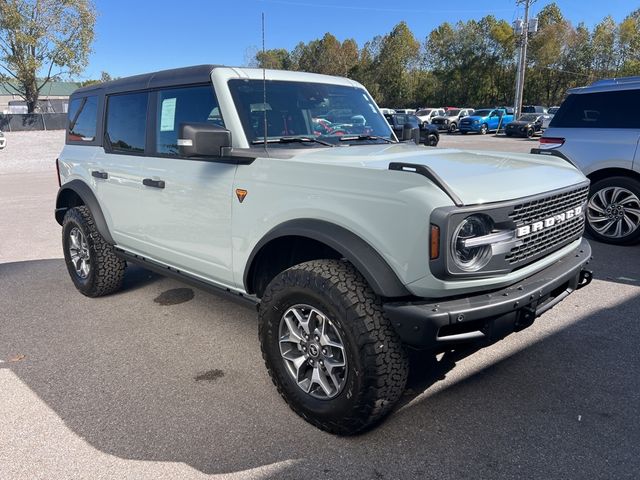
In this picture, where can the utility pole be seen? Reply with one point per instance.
(522, 30)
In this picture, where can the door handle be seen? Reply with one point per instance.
(98, 174)
(149, 182)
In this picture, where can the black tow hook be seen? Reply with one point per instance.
(585, 278)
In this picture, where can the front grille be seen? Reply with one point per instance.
(551, 238)
(437, 121)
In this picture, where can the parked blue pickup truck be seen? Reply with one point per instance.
(485, 120)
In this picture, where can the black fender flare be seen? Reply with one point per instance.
(82, 190)
(380, 276)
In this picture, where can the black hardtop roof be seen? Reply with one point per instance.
(162, 78)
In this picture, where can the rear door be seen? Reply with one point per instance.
(187, 202)
(118, 180)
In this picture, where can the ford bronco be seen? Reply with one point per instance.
(355, 247)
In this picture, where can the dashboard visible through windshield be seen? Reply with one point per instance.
(317, 113)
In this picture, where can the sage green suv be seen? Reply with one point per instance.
(290, 191)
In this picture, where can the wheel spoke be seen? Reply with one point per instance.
(618, 230)
(75, 244)
(597, 208)
(632, 225)
(318, 377)
(605, 228)
(304, 322)
(293, 329)
(600, 196)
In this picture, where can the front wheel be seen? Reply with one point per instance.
(432, 140)
(484, 129)
(329, 348)
(613, 211)
(452, 127)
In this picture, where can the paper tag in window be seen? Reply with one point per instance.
(168, 115)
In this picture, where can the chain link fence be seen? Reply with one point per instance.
(16, 122)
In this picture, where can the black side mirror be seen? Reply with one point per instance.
(203, 140)
(411, 132)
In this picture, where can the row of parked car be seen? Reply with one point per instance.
(534, 119)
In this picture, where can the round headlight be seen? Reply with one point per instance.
(470, 258)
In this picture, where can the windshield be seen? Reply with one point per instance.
(554, 110)
(528, 117)
(422, 113)
(300, 109)
(452, 113)
(482, 113)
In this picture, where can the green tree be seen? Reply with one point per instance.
(396, 62)
(41, 40)
(277, 58)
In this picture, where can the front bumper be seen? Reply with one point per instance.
(489, 316)
(470, 128)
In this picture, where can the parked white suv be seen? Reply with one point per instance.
(591, 131)
(294, 193)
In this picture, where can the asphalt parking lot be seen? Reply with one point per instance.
(156, 382)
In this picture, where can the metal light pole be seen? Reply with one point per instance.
(522, 30)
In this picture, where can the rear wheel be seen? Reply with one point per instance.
(329, 348)
(613, 210)
(92, 263)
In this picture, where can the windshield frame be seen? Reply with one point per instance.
(313, 110)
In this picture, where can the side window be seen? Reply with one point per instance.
(598, 110)
(83, 114)
(126, 122)
(176, 106)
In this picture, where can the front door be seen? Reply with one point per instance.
(187, 201)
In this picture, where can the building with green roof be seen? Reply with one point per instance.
(54, 97)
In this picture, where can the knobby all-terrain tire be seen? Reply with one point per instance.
(106, 270)
(377, 363)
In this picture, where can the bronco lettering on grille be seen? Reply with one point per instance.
(548, 222)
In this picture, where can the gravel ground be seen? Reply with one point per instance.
(28, 152)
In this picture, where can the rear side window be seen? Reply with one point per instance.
(126, 123)
(83, 114)
(177, 106)
(599, 110)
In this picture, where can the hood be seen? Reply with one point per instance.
(475, 177)
(520, 123)
(473, 117)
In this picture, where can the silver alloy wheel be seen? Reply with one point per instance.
(79, 252)
(614, 212)
(313, 351)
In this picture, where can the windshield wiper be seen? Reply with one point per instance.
(351, 138)
(294, 140)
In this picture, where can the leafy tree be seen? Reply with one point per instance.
(398, 59)
(277, 58)
(51, 38)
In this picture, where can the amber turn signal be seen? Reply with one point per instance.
(434, 250)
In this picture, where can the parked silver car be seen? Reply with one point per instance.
(591, 132)
(450, 120)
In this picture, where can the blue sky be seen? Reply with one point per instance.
(142, 36)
